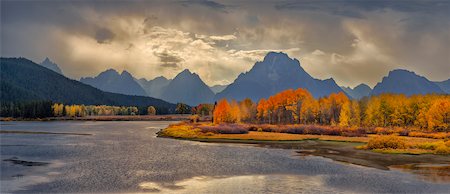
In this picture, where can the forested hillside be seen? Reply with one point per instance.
(23, 80)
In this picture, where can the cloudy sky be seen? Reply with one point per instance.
(351, 41)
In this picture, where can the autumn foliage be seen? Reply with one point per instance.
(426, 113)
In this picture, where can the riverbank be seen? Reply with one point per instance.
(172, 117)
(339, 148)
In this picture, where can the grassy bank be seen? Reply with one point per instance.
(394, 143)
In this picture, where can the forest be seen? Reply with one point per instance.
(44, 109)
(429, 113)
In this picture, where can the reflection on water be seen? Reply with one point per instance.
(20, 182)
(243, 184)
(430, 172)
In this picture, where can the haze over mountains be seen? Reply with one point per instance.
(154, 87)
(444, 85)
(218, 88)
(358, 92)
(275, 73)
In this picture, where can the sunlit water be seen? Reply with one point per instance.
(128, 157)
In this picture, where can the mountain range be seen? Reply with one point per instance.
(111, 81)
(24, 80)
(276, 72)
(186, 87)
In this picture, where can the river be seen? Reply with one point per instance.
(128, 157)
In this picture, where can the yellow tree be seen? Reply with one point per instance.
(261, 110)
(222, 112)
(235, 113)
(151, 110)
(245, 107)
(355, 118)
(337, 100)
(344, 116)
(438, 116)
(58, 109)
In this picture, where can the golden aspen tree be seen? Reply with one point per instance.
(235, 113)
(261, 110)
(151, 110)
(344, 116)
(438, 116)
(222, 112)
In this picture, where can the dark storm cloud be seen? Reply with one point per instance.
(171, 65)
(210, 4)
(351, 41)
(169, 60)
(104, 35)
(353, 8)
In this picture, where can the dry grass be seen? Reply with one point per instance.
(180, 130)
(272, 136)
(411, 145)
(393, 144)
(387, 142)
(438, 135)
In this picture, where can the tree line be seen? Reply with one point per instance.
(429, 112)
(30, 109)
(43, 109)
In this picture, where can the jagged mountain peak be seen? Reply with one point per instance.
(111, 81)
(47, 60)
(126, 73)
(400, 81)
(277, 72)
(188, 88)
(47, 63)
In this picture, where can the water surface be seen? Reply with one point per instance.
(128, 157)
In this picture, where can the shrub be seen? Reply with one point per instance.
(442, 149)
(428, 145)
(194, 118)
(225, 129)
(387, 142)
(440, 135)
(180, 130)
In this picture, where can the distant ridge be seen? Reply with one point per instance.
(358, 92)
(406, 82)
(188, 88)
(154, 87)
(444, 85)
(218, 88)
(111, 81)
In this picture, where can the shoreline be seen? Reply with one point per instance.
(340, 151)
(347, 149)
(171, 117)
